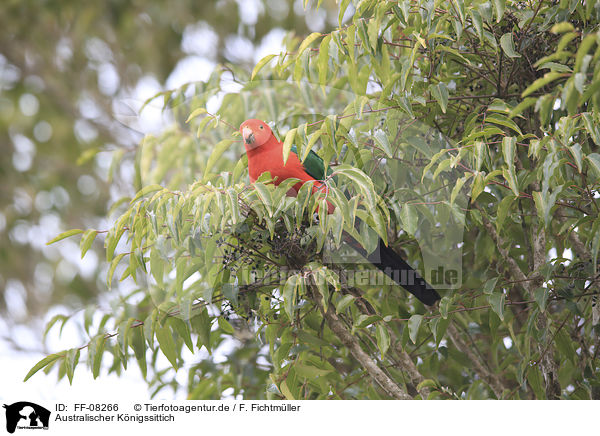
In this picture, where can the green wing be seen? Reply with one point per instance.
(313, 164)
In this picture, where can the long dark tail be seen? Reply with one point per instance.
(391, 264)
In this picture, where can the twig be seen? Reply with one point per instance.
(376, 373)
(492, 379)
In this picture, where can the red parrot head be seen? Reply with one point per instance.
(255, 133)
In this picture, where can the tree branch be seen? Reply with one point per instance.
(578, 246)
(376, 373)
(404, 361)
(547, 364)
(410, 368)
(490, 378)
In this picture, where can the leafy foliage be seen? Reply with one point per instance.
(71, 75)
(239, 274)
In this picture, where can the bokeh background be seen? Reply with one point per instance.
(73, 77)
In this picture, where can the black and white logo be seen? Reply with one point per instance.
(26, 415)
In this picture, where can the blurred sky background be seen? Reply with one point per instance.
(72, 80)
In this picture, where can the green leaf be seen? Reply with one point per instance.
(307, 338)
(511, 178)
(413, 327)
(583, 49)
(290, 136)
(322, 286)
(361, 181)
(535, 379)
(518, 110)
(299, 66)
(458, 187)
(138, 344)
(307, 41)
(54, 320)
(445, 306)
(575, 150)
(562, 27)
(508, 45)
(591, 127)
(167, 344)
(490, 285)
(544, 203)
(595, 243)
(64, 235)
(230, 292)
(285, 390)
(427, 383)
(432, 162)
(594, 160)
(503, 209)
(122, 337)
(322, 62)
(290, 292)
(343, 303)
(504, 122)
(509, 151)
(218, 151)
(240, 167)
(88, 315)
(485, 9)
(195, 113)
(444, 165)
(312, 139)
(541, 298)
(496, 300)
(96, 350)
(477, 187)
(440, 93)
(42, 364)
(146, 190)
(112, 268)
(476, 19)
(438, 327)
(383, 141)
(383, 338)
(564, 344)
(579, 82)
(454, 52)
(71, 360)
(112, 239)
(410, 218)
(265, 196)
(225, 326)
(343, 6)
(309, 371)
(259, 66)
(366, 320)
(373, 27)
(541, 82)
(86, 241)
(499, 9)
(201, 325)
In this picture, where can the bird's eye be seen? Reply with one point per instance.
(261, 127)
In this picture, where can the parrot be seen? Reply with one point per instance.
(265, 154)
